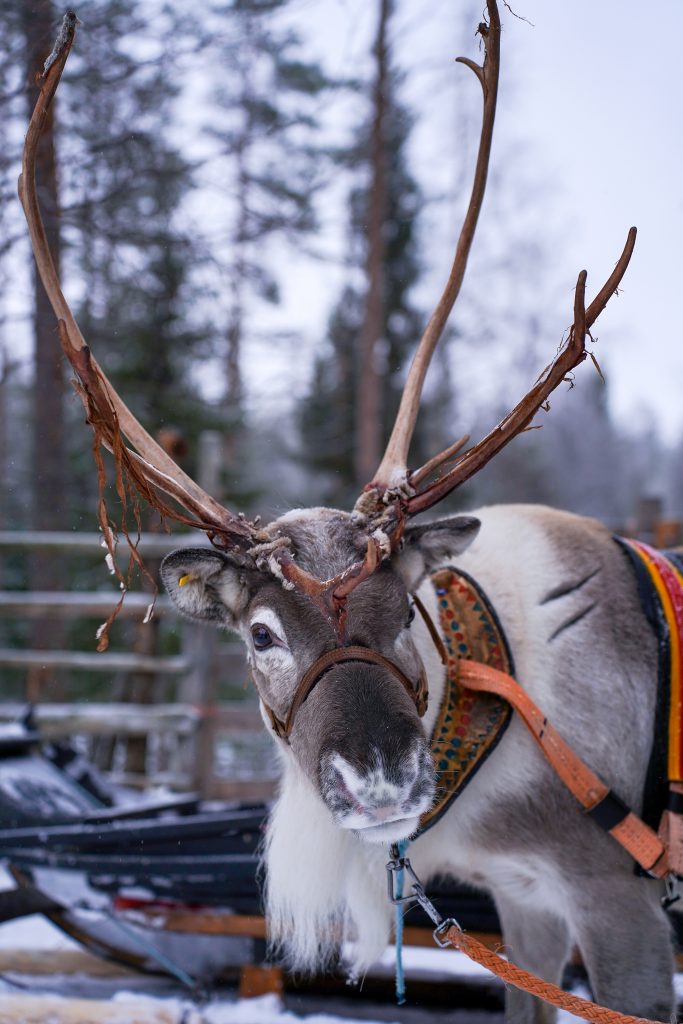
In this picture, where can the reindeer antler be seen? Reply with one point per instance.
(395, 492)
(392, 470)
(571, 353)
(149, 467)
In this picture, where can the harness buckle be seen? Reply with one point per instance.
(671, 893)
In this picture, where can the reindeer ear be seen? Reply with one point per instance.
(205, 584)
(429, 546)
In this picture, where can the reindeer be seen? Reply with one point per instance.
(323, 600)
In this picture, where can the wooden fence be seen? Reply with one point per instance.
(194, 743)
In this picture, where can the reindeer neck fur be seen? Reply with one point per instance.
(324, 885)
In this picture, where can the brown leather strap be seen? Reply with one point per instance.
(433, 631)
(418, 693)
(671, 828)
(633, 834)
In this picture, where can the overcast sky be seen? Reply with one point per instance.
(592, 94)
(600, 88)
(593, 91)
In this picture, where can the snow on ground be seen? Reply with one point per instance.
(127, 997)
(34, 933)
(263, 1010)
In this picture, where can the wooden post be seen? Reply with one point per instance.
(198, 688)
(668, 533)
(648, 515)
(260, 980)
(210, 460)
(199, 642)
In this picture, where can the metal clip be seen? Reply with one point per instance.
(439, 933)
(394, 866)
(671, 893)
(418, 895)
(426, 904)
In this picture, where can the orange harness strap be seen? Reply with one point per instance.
(595, 797)
(517, 976)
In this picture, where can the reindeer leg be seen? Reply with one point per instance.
(626, 944)
(539, 942)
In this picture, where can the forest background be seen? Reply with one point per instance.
(252, 206)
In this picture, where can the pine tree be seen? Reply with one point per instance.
(264, 121)
(328, 417)
(49, 511)
(114, 227)
(112, 202)
(134, 260)
(126, 186)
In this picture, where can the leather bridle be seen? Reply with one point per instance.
(418, 692)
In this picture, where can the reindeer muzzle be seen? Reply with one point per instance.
(418, 693)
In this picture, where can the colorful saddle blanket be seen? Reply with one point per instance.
(659, 575)
(469, 724)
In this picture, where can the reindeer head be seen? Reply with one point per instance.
(322, 598)
(347, 706)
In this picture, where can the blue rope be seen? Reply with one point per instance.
(400, 978)
(153, 952)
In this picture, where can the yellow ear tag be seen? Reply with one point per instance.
(185, 579)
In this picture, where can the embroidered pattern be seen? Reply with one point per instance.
(469, 724)
(663, 570)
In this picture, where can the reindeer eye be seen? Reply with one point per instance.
(262, 637)
(411, 614)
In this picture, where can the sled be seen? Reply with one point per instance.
(156, 885)
(110, 874)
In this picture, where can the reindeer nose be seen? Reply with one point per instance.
(363, 796)
(385, 813)
(366, 796)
